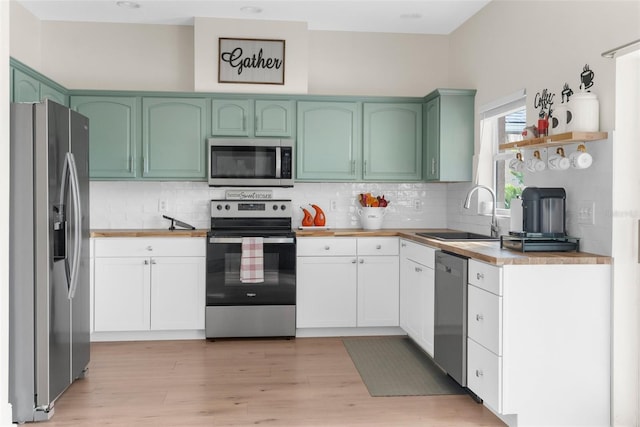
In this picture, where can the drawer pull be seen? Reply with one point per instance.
(326, 248)
(146, 262)
(353, 261)
(479, 373)
(149, 248)
(418, 269)
(378, 246)
(153, 261)
(361, 261)
(404, 245)
(479, 317)
(480, 276)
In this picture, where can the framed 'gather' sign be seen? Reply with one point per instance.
(255, 61)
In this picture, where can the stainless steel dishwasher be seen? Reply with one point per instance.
(450, 334)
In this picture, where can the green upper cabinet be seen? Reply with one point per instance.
(448, 135)
(247, 117)
(329, 141)
(27, 88)
(392, 142)
(174, 132)
(114, 136)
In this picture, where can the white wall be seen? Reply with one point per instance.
(5, 408)
(377, 64)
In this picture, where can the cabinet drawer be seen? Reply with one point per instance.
(485, 318)
(416, 252)
(484, 374)
(485, 276)
(378, 246)
(331, 246)
(148, 247)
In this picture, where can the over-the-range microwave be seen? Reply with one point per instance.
(241, 162)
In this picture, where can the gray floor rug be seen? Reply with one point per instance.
(395, 366)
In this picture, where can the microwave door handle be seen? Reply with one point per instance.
(278, 162)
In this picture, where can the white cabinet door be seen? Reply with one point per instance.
(326, 292)
(177, 293)
(378, 290)
(121, 294)
(417, 297)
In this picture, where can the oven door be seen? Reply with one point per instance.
(223, 283)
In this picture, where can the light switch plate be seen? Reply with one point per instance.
(586, 212)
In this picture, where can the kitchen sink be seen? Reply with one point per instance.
(457, 235)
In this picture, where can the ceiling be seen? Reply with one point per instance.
(417, 16)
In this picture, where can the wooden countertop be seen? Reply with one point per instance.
(114, 232)
(483, 251)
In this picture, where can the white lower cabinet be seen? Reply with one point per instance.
(347, 282)
(417, 293)
(149, 284)
(538, 342)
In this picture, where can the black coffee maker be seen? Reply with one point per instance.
(543, 212)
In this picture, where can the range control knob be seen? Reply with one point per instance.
(219, 207)
(283, 207)
(275, 207)
(227, 207)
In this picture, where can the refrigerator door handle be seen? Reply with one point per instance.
(77, 244)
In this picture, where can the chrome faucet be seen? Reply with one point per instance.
(494, 220)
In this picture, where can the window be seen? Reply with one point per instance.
(500, 123)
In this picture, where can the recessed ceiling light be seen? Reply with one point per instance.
(128, 4)
(411, 16)
(250, 9)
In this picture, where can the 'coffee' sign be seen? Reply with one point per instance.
(251, 61)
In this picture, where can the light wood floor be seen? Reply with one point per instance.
(300, 382)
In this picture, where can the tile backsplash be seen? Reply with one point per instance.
(136, 204)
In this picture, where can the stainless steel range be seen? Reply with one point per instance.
(251, 269)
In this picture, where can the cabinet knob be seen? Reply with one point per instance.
(353, 261)
(404, 245)
(418, 269)
(149, 248)
(361, 261)
(326, 248)
(153, 261)
(480, 276)
(479, 317)
(378, 246)
(479, 373)
(146, 262)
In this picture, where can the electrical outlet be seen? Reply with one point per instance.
(163, 205)
(333, 205)
(586, 212)
(417, 204)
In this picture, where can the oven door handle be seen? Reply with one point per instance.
(266, 240)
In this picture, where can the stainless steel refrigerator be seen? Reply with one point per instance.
(49, 256)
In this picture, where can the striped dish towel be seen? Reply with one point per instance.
(252, 261)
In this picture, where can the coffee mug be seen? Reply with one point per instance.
(535, 165)
(517, 164)
(580, 159)
(558, 162)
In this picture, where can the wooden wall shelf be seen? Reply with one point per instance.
(554, 140)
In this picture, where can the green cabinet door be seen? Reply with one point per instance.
(432, 139)
(392, 142)
(274, 118)
(25, 87)
(231, 117)
(246, 117)
(449, 136)
(329, 141)
(174, 132)
(113, 134)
